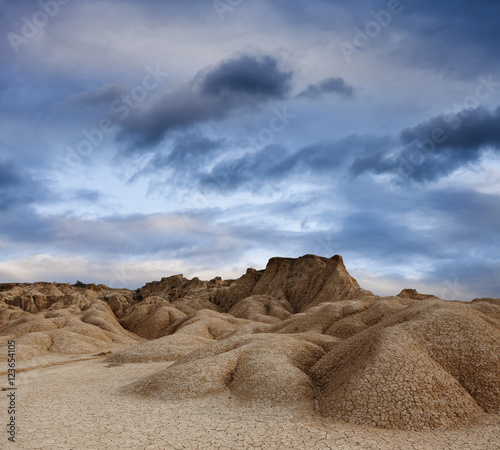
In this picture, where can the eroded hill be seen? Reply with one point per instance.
(301, 334)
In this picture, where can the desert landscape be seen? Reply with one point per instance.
(296, 355)
(178, 180)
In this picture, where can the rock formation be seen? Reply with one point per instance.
(301, 334)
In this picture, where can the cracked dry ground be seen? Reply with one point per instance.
(76, 406)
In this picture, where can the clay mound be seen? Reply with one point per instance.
(428, 366)
(466, 345)
(264, 368)
(38, 297)
(186, 334)
(63, 331)
(151, 318)
(413, 364)
(168, 348)
(321, 318)
(177, 287)
(388, 381)
(207, 324)
(262, 308)
(120, 304)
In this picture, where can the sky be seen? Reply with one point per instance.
(144, 139)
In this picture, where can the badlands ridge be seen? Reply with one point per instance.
(301, 334)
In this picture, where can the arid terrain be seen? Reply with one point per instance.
(297, 355)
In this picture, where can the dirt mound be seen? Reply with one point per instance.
(62, 330)
(264, 368)
(414, 364)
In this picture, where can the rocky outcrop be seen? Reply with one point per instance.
(300, 334)
(413, 294)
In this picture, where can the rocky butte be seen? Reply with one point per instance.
(300, 334)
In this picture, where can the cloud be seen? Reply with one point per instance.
(333, 85)
(185, 154)
(313, 186)
(246, 76)
(241, 83)
(468, 215)
(114, 272)
(87, 195)
(440, 240)
(437, 147)
(17, 188)
(469, 130)
(275, 163)
(106, 94)
(456, 38)
(189, 236)
(475, 276)
(8, 175)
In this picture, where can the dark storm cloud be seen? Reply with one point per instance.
(10, 183)
(333, 85)
(395, 231)
(377, 234)
(8, 175)
(468, 130)
(246, 75)
(19, 192)
(236, 84)
(187, 148)
(466, 258)
(436, 147)
(441, 236)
